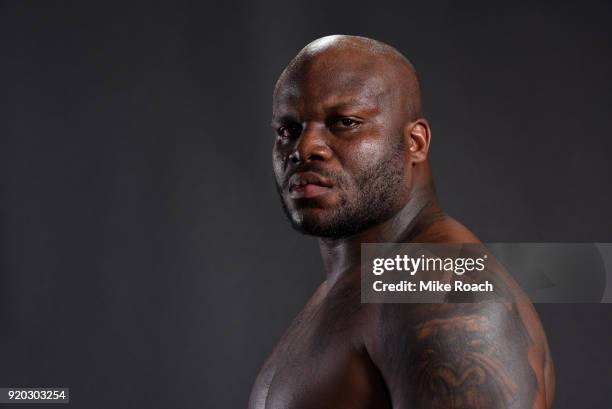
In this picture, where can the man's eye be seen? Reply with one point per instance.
(289, 131)
(347, 123)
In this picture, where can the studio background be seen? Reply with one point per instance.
(144, 257)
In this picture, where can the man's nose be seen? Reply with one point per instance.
(311, 146)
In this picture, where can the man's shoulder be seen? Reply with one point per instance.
(412, 322)
(490, 350)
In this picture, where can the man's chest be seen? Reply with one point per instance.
(319, 363)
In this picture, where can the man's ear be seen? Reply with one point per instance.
(417, 135)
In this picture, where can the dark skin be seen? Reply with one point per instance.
(342, 107)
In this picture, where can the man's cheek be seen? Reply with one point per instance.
(278, 162)
(368, 150)
(364, 156)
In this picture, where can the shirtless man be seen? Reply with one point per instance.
(351, 165)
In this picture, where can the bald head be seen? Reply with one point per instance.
(352, 61)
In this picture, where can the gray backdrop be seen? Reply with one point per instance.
(144, 257)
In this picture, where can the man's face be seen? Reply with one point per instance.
(339, 155)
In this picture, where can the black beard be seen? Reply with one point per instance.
(378, 189)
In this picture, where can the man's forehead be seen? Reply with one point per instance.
(343, 89)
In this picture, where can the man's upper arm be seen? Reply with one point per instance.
(457, 356)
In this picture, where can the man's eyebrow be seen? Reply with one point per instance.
(283, 119)
(352, 105)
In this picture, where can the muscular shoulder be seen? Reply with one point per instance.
(480, 355)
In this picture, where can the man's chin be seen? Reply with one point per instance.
(320, 217)
(317, 222)
(312, 221)
(314, 229)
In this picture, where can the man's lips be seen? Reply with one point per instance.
(307, 185)
(308, 191)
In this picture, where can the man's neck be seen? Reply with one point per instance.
(342, 255)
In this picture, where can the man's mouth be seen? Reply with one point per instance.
(308, 185)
